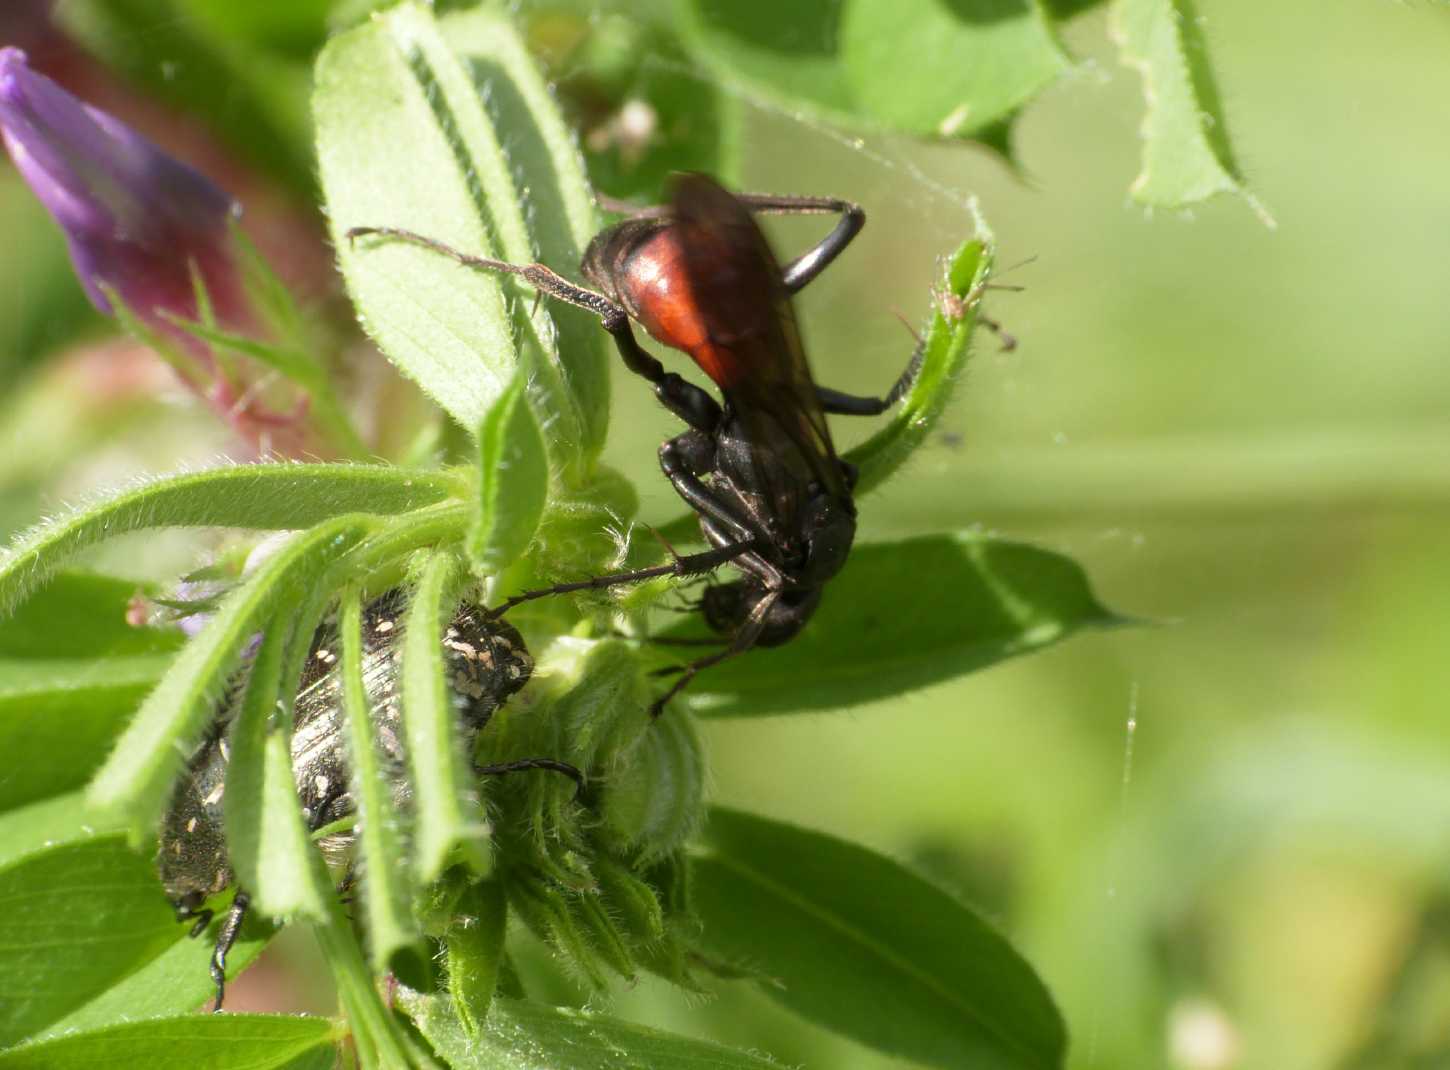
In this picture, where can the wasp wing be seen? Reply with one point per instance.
(753, 349)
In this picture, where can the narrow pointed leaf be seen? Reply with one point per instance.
(528, 1036)
(475, 951)
(945, 350)
(258, 497)
(387, 890)
(559, 203)
(446, 814)
(513, 483)
(255, 1041)
(1186, 152)
(137, 777)
(904, 615)
(861, 945)
(267, 840)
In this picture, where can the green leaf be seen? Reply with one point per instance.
(632, 91)
(176, 981)
(74, 919)
(654, 802)
(787, 49)
(475, 940)
(59, 717)
(387, 890)
(267, 839)
(189, 1042)
(904, 615)
(446, 814)
(513, 483)
(1066, 9)
(972, 62)
(859, 944)
(945, 350)
(40, 826)
(559, 206)
(83, 615)
(256, 496)
(526, 1036)
(405, 140)
(1186, 153)
(136, 779)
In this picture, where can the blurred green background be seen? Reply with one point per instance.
(1223, 838)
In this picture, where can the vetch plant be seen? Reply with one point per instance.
(444, 126)
(155, 243)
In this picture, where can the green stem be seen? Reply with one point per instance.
(380, 1041)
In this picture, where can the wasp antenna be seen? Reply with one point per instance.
(1019, 264)
(907, 324)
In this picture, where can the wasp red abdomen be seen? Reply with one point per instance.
(710, 316)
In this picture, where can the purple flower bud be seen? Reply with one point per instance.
(135, 218)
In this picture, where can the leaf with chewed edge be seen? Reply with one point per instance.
(1186, 152)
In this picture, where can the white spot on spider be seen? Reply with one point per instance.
(384, 627)
(320, 782)
(215, 796)
(191, 825)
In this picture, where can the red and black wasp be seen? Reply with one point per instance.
(760, 469)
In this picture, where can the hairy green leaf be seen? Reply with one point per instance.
(255, 496)
(267, 840)
(387, 889)
(944, 353)
(136, 779)
(527, 1036)
(188, 1042)
(447, 816)
(972, 62)
(405, 139)
(904, 615)
(475, 939)
(513, 483)
(559, 212)
(1186, 152)
(859, 944)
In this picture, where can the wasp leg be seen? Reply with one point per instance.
(231, 928)
(803, 269)
(519, 765)
(682, 459)
(842, 404)
(799, 272)
(744, 639)
(688, 565)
